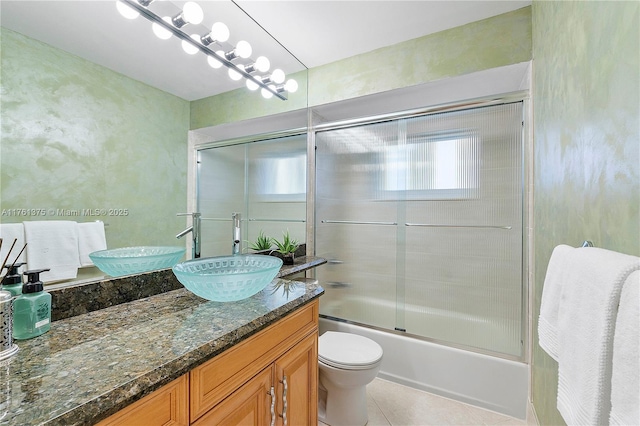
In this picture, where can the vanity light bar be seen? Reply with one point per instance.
(134, 4)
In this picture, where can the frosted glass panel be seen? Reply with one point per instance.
(423, 217)
(265, 181)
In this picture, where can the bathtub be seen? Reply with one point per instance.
(485, 381)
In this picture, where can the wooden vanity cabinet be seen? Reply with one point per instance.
(168, 406)
(249, 405)
(261, 401)
(262, 380)
(251, 382)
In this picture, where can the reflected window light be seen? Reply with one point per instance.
(282, 178)
(433, 167)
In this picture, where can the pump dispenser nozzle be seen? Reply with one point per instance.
(33, 284)
(13, 276)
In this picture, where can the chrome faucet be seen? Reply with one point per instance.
(235, 218)
(195, 231)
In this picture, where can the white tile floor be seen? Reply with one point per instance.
(391, 404)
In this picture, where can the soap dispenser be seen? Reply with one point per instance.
(12, 281)
(32, 309)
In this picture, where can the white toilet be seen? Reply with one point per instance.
(348, 362)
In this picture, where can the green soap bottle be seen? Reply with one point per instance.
(12, 281)
(32, 309)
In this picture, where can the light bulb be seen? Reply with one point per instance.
(267, 94)
(235, 75)
(126, 10)
(192, 13)
(190, 48)
(277, 76)
(251, 85)
(161, 32)
(291, 85)
(262, 64)
(219, 32)
(243, 49)
(214, 62)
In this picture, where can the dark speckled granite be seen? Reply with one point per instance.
(81, 299)
(89, 366)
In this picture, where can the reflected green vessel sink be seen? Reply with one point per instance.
(135, 260)
(227, 278)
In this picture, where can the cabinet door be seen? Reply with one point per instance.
(250, 405)
(297, 384)
(216, 379)
(167, 406)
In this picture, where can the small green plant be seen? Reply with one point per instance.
(261, 243)
(287, 245)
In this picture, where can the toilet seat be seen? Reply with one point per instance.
(348, 351)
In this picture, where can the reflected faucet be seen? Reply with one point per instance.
(235, 218)
(195, 230)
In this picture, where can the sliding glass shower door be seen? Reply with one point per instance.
(421, 220)
(265, 181)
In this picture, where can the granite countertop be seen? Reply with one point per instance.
(90, 366)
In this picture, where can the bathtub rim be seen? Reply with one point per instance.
(505, 392)
(523, 359)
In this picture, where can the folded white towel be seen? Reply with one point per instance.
(553, 284)
(10, 232)
(53, 244)
(625, 380)
(586, 322)
(91, 238)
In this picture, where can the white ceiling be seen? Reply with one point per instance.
(292, 34)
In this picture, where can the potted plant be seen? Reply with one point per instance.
(262, 244)
(287, 248)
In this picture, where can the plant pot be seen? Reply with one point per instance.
(266, 252)
(287, 259)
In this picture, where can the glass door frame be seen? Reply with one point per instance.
(527, 170)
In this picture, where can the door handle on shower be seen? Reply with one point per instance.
(354, 222)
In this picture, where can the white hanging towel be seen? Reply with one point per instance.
(550, 304)
(625, 381)
(10, 232)
(91, 237)
(53, 244)
(586, 322)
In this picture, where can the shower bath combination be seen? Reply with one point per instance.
(422, 220)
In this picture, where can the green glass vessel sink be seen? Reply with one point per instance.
(227, 278)
(135, 260)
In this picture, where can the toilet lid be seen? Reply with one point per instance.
(348, 351)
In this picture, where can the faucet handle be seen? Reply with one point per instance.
(194, 214)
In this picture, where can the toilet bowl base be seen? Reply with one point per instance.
(343, 407)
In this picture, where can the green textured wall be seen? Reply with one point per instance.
(77, 136)
(489, 43)
(493, 42)
(242, 104)
(586, 143)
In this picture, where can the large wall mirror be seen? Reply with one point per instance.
(96, 114)
(265, 180)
